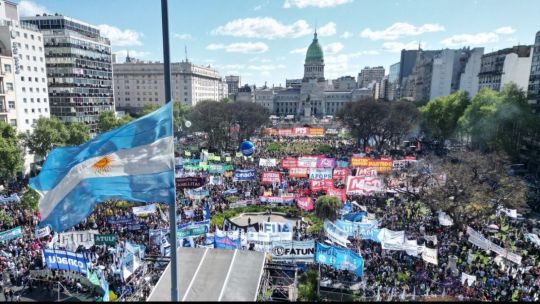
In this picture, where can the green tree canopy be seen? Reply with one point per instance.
(498, 120)
(440, 115)
(108, 121)
(48, 133)
(11, 157)
(30, 200)
(79, 133)
(180, 113)
(327, 207)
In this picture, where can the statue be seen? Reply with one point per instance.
(307, 107)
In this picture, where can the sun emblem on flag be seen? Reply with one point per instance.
(103, 165)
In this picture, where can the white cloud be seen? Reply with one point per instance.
(470, 39)
(346, 35)
(120, 37)
(505, 30)
(316, 3)
(396, 47)
(258, 7)
(29, 8)
(259, 59)
(183, 36)
(401, 29)
(327, 30)
(241, 47)
(329, 49)
(263, 27)
(265, 67)
(121, 55)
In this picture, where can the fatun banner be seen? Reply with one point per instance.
(294, 251)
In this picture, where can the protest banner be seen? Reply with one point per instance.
(267, 162)
(289, 162)
(43, 232)
(316, 132)
(380, 165)
(366, 172)
(293, 251)
(341, 173)
(226, 243)
(144, 210)
(75, 239)
(105, 239)
(65, 260)
(273, 227)
(271, 177)
(10, 234)
(245, 175)
(323, 162)
(430, 255)
(340, 258)
(339, 193)
(321, 184)
(305, 203)
(335, 234)
(189, 182)
(307, 162)
(298, 172)
(285, 132)
(301, 131)
(361, 185)
(13, 198)
(320, 173)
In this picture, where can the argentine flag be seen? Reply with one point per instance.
(134, 162)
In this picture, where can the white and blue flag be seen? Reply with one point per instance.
(134, 162)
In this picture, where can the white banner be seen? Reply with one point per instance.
(232, 234)
(72, 240)
(430, 255)
(267, 162)
(432, 238)
(320, 173)
(263, 240)
(43, 232)
(391, 237)
(479, 240)
(335, 234)
(143, 210)
(273, 227)
(296, 251)
(307, 162)
(445, 219)
(469, 278)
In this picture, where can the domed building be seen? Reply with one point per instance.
(314, 97)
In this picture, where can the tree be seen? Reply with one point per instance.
(327, 207)
(79, 133)
(497, 121)
(11, 157)
(30, 200)
(440, 115)
(48, 133)
(307, 286)
(249, 117)
(382, 122)
(475, 184)
(108, 121)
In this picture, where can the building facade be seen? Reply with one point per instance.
(469, 81)
(510, 65)
(8, 97)
(233, 83)
(28, 77)
(138, 83)
(368, 76)
(344, 83)
(79, 69)
(393, 82)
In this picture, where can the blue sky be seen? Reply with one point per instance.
(265, 40)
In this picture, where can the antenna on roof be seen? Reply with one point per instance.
(185, 50)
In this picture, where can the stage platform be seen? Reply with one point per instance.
(206, 274)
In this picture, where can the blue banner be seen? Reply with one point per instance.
(355, 216)
(245, 175)
(226, 243)
(342, 164)
(125, 219)
(65, 260)
(340, 258)
(368, 230)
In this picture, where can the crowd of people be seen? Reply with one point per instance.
(387, 274)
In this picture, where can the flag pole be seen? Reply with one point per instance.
(168, 98)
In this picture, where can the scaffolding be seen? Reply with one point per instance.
(279, 283)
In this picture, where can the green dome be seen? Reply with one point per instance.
(314, 51)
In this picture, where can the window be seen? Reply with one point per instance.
(35, 69)
(27, 57)
(40, 49)
(29, 79)
(31, 99)
(7, 68)
(25, 35)
(34, 58)
(46, 110)
(26, 46)
(11, 104)
(13, 122)
(36, 79)
(38, 100)
(24, 99)
(9, 86)
(22, 78)
(25, 110)
(31, 36)
(33, 111)
(26, 120)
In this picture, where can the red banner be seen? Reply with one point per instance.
(341, 173)
(366, 172)
(316, 132)
(298, 172)
(361, 185)
(301, 131)
(305, 203)
(285, 132)
(271, 177)
(289, 162)
(320, 184)
(340, 193)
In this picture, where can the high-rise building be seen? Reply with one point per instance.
(25, 78)
(233, 83)
(79, 68)
(510, 65)
(139, 83)
(468, 81)
(393, 81)
(368, 76)
(344, 83)
(533, 91)
(407, 63)
(8, 98)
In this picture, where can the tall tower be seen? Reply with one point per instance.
(314, 64)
